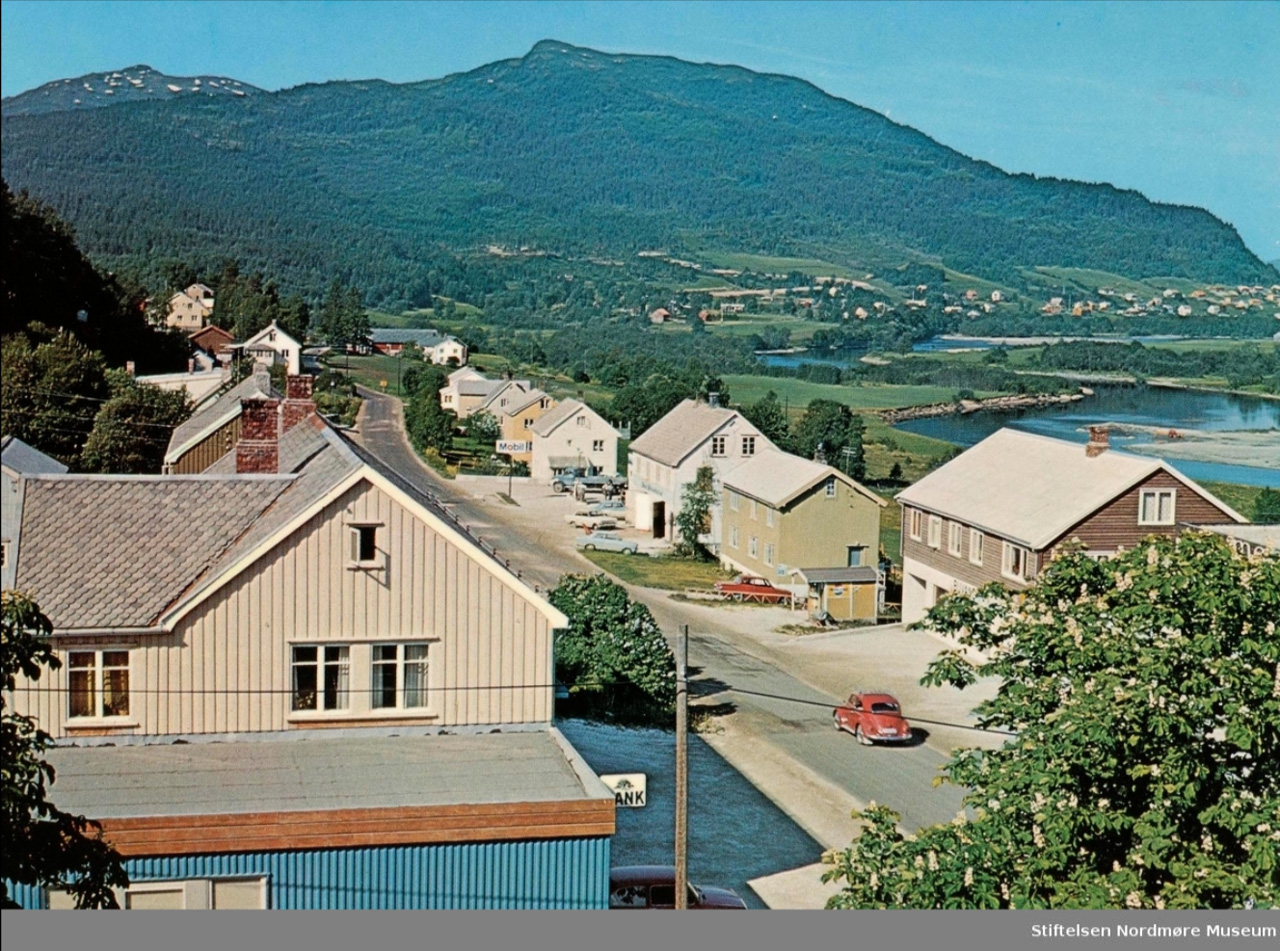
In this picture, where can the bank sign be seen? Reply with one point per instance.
(628, 789)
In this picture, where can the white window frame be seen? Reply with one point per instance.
(98, 674)
(915, 520)
(719, 446)
(400, 663)
(748, 445)
(597, 445)
(733, 536)
(935, 531)
(975, 546)
(753, 546)
(197, 893)
(831, 487)
(1007, 567)
(1154, 495)
(955, 539)
(321, 663)
(768, 553)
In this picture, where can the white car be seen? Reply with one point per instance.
(606, 541)
(591, 522)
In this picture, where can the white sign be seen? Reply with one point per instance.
(628, 788)
(511, 446)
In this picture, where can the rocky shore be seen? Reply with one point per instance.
(995, 403)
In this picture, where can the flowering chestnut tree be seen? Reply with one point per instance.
(1144, 691)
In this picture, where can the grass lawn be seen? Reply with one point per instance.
(799, 393)
(672, 574)
(372, 370)
(1239, 497)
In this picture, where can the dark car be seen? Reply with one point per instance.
(872, 718)
(654, 886)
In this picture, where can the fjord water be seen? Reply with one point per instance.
(1139, 406)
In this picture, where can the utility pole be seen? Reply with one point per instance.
(682, 770)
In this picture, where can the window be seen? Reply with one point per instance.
(855, 556)
(768, 553)
(831, 487)
(399, 676)
(733, 536)
(4, 554)
(99, 682)
(733, 501)
(364, 545)
(582, 420)
(975, 547)
(916, 518)
(768, 515)
(1016, 563)
(753, 510)
(935, 531)
(717, 445)
(1156, 507)
(597, 445)
(321, 676)
(954, 538)
(752, 545)
(528, 424)
(748, 445)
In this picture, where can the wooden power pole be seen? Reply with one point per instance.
(682, 770)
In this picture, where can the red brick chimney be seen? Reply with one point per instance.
(259, 447)
(1099, 441)
(298, 403)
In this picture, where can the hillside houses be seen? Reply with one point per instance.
(293, 680)
(431, 345)
(190, 309)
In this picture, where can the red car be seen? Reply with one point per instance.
(654, 886)
(872, 718)
(751, 588)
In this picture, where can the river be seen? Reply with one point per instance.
(1237, 438)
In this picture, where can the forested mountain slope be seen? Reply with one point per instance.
(572, 151)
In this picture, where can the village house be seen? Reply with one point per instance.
(293, 680)
(1000, 511)
(271, 346)
(189, 309)
(468, 391)
(782, 513)
(16, 460)
(573, 436)
(215, 342)
(201, 382)
(518, 413)
(434, 347)
(659, 315)
(214, 429)
(666, 457)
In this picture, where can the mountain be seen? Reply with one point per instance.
(573, 151)
(134, 84)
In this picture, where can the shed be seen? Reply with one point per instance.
(843, 594)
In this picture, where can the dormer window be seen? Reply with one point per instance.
(748, 445)
(364, 544)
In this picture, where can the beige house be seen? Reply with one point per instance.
(666, 457)
(573, 436)
(190, 309)
(469, 391)
(782, 512)
(1002, 509)
(271, 346)
(517, 411)
(295, 584)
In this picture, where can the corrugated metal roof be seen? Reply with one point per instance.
(1030, 489)
(18, 456)
(776, 477)
(305, 773)
(859, 575)
(681, 431)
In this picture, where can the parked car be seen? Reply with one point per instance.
(752, 588)
(606, 541)
(654, 886)
(872, 718)
(609, 507)
(584, 519)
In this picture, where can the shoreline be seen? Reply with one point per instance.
(993, 403)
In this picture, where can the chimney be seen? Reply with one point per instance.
(298, 404)
(130, 367)
(191, 364)
(713, 399)
(259, 447)
(820, 454)
(1099, 441)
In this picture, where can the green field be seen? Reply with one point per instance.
(671, 574)
(1239, 497)
(372, 371)
(799, 393)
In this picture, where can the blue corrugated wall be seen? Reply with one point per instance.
(548, 873)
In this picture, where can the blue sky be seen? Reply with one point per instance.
(1178, 100)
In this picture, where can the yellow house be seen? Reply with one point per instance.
(517, 417)
(782, 513)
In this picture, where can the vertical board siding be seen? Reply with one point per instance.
(552, 873)
(226, 668)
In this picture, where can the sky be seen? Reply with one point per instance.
(1180, 101)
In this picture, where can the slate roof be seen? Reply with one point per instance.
(27, 460)
(218, 413)
(304, 773)
(113, 551)
(681, 431)
(776, 478)
(1030, 489)
(477, 387)
(422, 338)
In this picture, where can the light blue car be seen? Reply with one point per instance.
(606, 541)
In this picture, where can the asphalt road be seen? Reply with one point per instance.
(799, 725)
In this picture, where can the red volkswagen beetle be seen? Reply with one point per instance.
(872, 718)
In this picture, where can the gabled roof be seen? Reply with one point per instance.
(1031, 489)
(502, 387)
(671, 439)
(422, 338)
(560, 414)
(260, 337)
(17, 456)
(776, 478)
(473, 387)
(212, 330)
(217, 414)
(522, 403)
